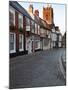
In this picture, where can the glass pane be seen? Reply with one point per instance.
(12, 38)
(20, 22)
(11, 18)
(20, 41)
(11, 41)
(11, 46)
(20, 38)
(27, 21)
(20, 45)
(32, 26)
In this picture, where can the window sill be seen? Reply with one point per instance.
(12, 51)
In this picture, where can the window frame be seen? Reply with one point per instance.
(28, 24)
(12, 51)
(20, 16)
(32, 26)
(11, 9)
(21, 49)
(36, 28)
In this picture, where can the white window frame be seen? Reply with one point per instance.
(13, 51)
(22, 43)
(21, 17)
(36, 28)
(11, 9)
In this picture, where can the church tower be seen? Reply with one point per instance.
(48, 14)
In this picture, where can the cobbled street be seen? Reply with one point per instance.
(39, 69)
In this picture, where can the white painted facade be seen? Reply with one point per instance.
(53, 38)
(28, 44)
(46, 44)
(32, 44)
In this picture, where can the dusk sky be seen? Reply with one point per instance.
(58, 10)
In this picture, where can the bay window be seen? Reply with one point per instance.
(20, 42)
(12, 42)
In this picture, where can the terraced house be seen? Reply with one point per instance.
(28, 32)
(19, 29)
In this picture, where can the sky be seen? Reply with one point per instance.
(59, 11)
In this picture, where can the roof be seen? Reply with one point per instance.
(44, 24)
(19, 8)
(36, 19)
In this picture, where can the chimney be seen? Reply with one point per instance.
(36, 13)
(57, 28)
(30, 8)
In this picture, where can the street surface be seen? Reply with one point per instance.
(39, 69)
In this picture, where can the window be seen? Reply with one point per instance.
(20, 21)
(27, 24)
(11, 17)
(27, 21)
(32, 26)
(20, 42)
(12, 42)
(37, 44)
(35, 28)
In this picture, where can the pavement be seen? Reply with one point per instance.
(39, 69)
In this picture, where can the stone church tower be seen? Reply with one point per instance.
(48, 14)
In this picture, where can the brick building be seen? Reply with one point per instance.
(19, 27)
(27, 31)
